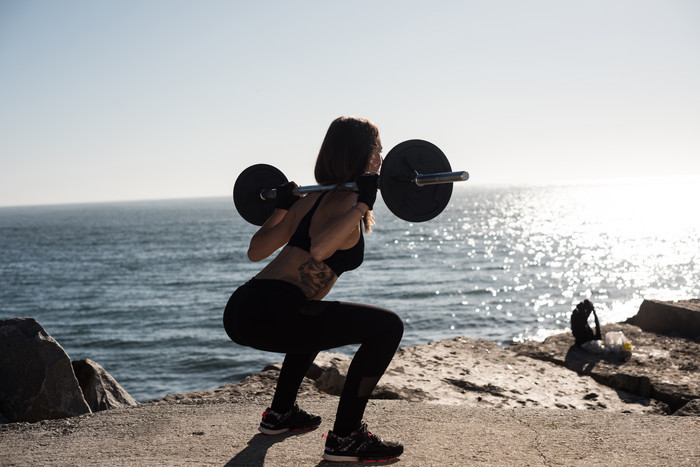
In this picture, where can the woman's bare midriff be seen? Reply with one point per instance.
(296, 266)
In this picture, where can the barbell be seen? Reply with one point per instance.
(415, 182)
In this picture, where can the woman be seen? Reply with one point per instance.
(282, 308)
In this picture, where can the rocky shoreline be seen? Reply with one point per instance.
(658, 376)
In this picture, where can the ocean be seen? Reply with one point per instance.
(140, 287)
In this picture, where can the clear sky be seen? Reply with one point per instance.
(151, 99)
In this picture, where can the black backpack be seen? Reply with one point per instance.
(579, 323)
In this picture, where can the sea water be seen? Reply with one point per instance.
(140, 287)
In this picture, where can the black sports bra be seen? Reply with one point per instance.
(341, 260)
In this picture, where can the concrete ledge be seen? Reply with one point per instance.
(680, 317)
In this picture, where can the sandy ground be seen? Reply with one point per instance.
(224, 433)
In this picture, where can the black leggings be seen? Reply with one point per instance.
(275, 316)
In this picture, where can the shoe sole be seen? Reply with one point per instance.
(269, 432)
(334, 458)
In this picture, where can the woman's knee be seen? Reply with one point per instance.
(392, 325)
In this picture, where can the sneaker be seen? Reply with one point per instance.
(360, 446)
(296, 419)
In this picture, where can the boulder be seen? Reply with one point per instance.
(676, 318)
(37, 381)
(659, 367)
(100, 390)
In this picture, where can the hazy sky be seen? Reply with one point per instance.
(125, 100)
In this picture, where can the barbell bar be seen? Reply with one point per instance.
(415, 183)
(419, 179)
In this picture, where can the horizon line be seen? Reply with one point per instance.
(459, 186)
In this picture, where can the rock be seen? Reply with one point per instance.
(100, 390)
(676, 318)
(660, 367)
(327, 371)
(691, 409)
(37, 381)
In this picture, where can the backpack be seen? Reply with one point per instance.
(579, 323)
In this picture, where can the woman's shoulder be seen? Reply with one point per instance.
(341, 199)
(306, 202)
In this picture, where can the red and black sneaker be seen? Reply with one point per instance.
(360, 446)
(274, 423)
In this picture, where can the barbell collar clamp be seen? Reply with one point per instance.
(441, 177)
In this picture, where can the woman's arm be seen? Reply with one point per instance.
(338, 229)
(275, 232)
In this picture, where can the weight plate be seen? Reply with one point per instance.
(246, 192)
(404, 198)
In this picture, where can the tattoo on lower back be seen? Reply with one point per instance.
(315, 274)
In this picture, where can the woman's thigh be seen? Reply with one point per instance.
(324, 325)
(277, 321)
